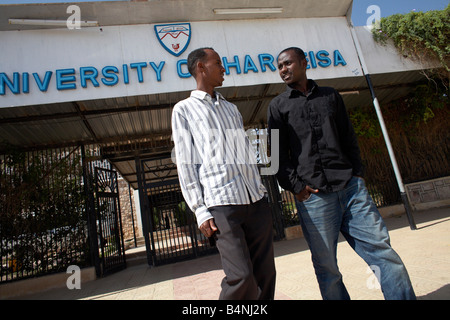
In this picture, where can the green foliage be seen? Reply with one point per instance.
(420, 136)
(41, 190)
(290, 216)
(419, 107)
(42, 223)
(182, 214)
(365, 123)
(424, 35)
(407, 113)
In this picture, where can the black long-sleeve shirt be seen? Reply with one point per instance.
(318, 146)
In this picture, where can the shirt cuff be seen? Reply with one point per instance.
(298, 187)
(202, 215)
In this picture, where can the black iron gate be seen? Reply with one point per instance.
(276, 205)
(108, 222)
(170, 227)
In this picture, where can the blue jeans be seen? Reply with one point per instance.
(353, 213)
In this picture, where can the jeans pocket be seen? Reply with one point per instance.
(309, 198)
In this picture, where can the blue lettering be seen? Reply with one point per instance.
(126, 80)
(14, 86)
(266, 59)
(234, 64)
(138, 66)
(338, 59)
(43, 85)
(249, 65)
(88, 73)
(25, 82)
(63, 76)
(158, 69)
(109, 72)
(180, 72)
(322, 56)
(110, 75)
(312, 59)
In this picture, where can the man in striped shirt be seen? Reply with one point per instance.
(221, 184)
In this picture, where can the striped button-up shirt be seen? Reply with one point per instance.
(216, 163)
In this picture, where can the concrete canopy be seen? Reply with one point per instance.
(115, 13)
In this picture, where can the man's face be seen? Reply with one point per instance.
(292, 69)
(213, 69)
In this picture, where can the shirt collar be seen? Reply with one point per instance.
(202, 95)
(311, 84)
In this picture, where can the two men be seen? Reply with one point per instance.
(220, 183)
(320, 164)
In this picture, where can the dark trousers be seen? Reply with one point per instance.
(245, 243)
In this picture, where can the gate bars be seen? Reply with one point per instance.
(169, 226)
(43, 227)
(104, 217)
(109, 221)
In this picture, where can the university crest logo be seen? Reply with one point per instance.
(174, 37)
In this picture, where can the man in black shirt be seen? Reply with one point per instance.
(320, 163)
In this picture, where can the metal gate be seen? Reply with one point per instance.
(170, 227)
(108, 222)
(276, 205)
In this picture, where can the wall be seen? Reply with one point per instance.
(128, 212)
(385, 58)
(429, 193)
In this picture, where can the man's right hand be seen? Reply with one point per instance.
(305, 193)
(208, 228)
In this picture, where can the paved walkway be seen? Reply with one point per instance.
(425, 252)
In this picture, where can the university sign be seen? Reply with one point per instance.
(118, 61)
(139, 72)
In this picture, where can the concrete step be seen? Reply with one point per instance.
(136, 256)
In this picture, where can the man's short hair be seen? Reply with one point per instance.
(299, 52)
(195, 56)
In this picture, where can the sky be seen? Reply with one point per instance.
(359, 14)
(390, 7)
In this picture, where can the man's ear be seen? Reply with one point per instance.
(200, 67)
(304, 63)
